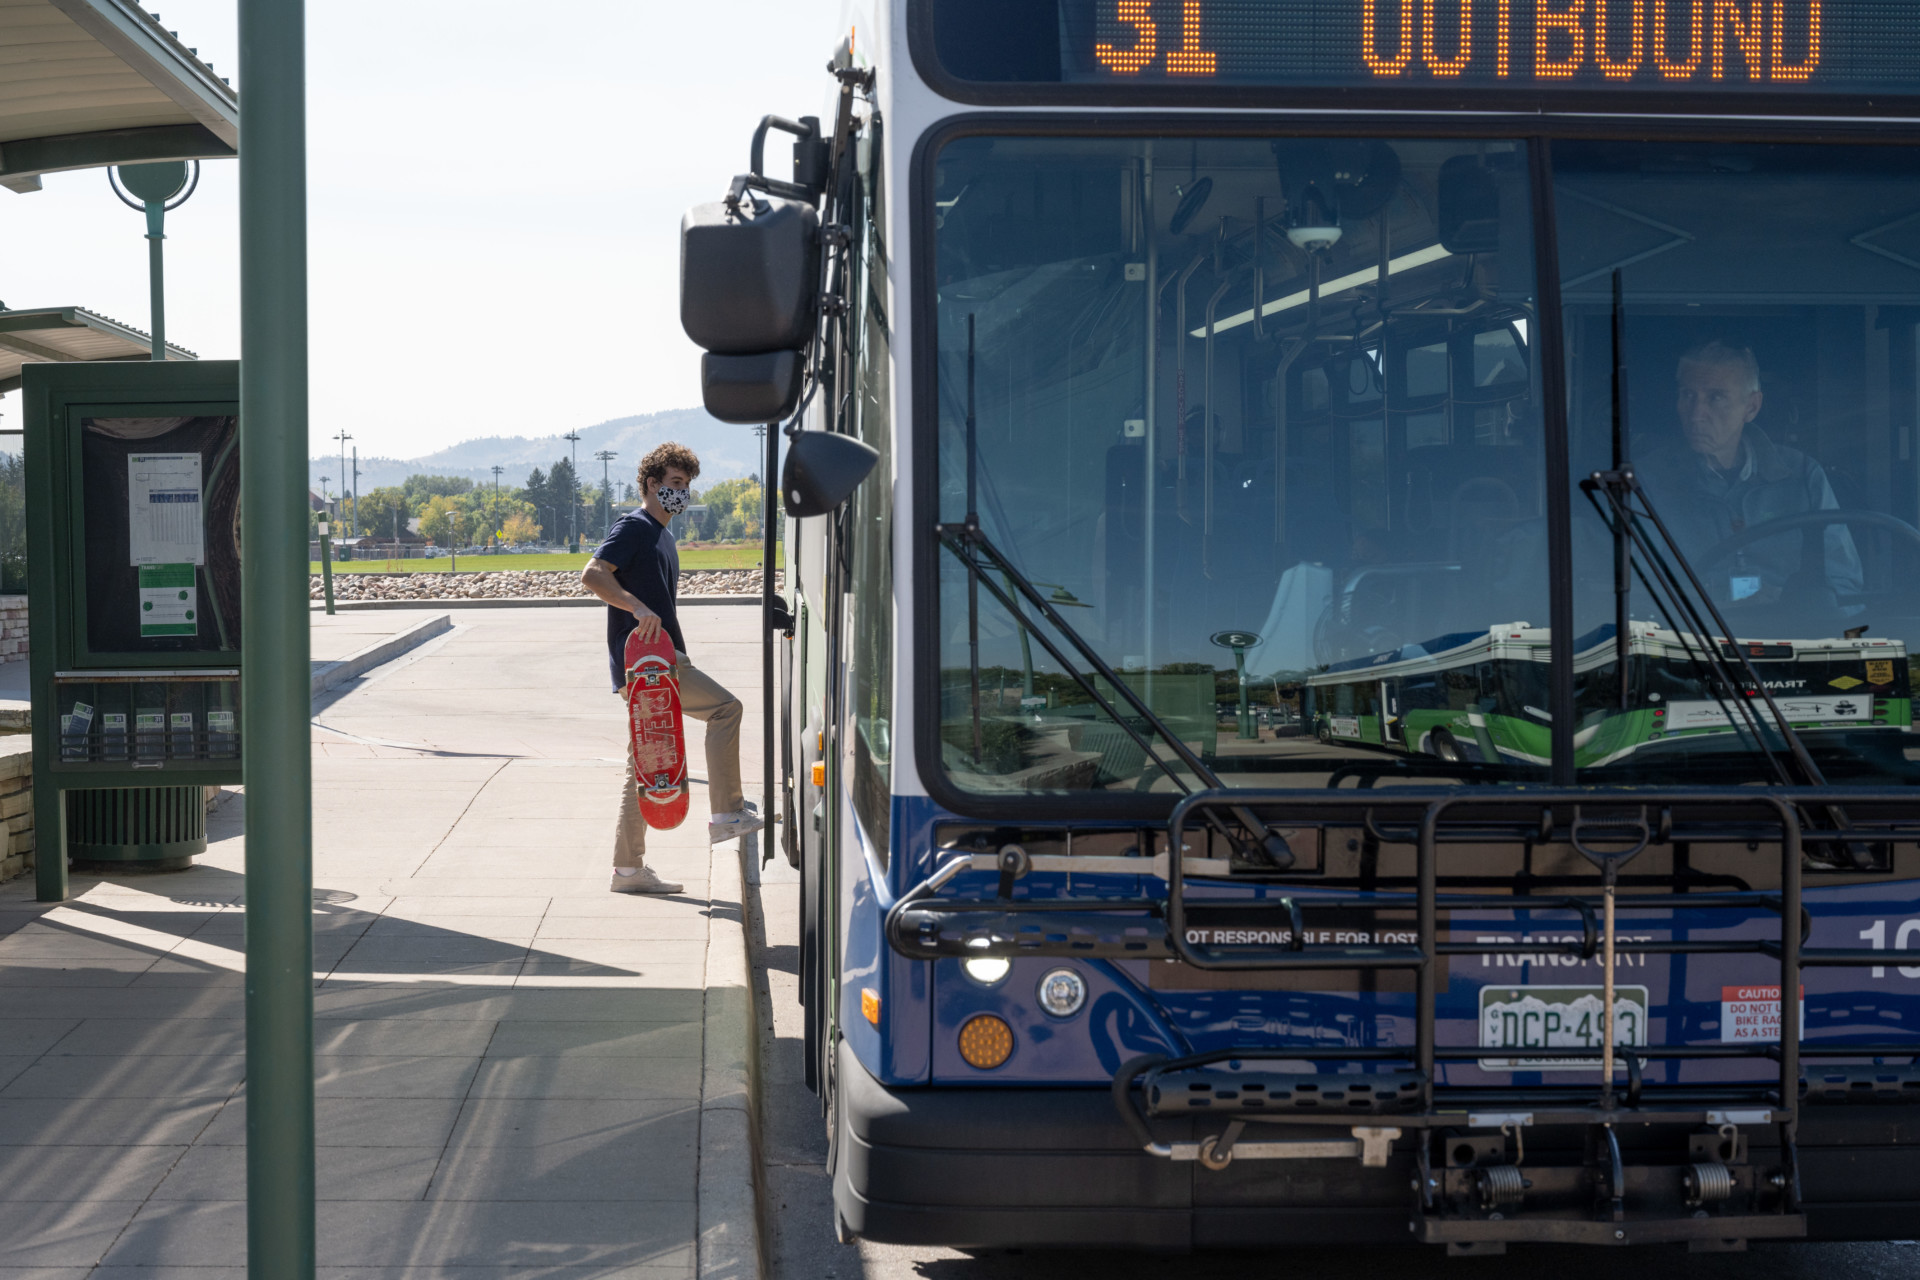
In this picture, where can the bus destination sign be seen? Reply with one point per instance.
(1831, 46)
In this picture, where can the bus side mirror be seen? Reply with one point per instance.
(752, 389)
(823, 469)
(1469, 212)
(749, 271)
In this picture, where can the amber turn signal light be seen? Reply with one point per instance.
(819, 773)
(986, 1041)
(870, 1005)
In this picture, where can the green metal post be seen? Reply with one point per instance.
(156, 273)
(49, 838)
(276, 703)
(326, 562)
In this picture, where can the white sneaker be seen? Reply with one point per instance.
(731, 826)
(643, 881)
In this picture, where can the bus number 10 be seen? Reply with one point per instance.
(1877, 935)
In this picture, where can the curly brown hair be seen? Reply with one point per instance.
(664, 457)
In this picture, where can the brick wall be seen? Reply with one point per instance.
(13, 628)
(16, 805)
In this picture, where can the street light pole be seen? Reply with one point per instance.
(606, 490)
(495, 515)
(156, 189)
(343, 437)
(277, 708)
(573, 498)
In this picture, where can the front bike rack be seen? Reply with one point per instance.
(1468, 1193)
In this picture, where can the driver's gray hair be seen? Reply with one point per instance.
(1725, 353)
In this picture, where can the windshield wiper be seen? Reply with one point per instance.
(1266, 850)
(1622, 549)
(1263, 849)
(1620, 489)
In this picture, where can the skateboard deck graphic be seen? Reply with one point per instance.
(659, 738)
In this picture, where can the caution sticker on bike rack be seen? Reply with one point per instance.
(1753, 1013)
(1557, 1018)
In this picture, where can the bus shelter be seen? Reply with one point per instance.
(92, 83)
(88, 84)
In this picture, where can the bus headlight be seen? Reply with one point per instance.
(987, 970)
(985, 1041)
(1062, 992)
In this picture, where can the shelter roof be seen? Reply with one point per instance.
(69, 333)
(88, 83)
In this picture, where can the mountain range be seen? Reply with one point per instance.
(726, 453)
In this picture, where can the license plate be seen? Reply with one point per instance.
(1557, 1018)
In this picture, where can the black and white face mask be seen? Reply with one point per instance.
(673, 501)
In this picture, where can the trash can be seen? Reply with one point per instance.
(145, 828)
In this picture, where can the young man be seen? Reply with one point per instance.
(636, 570)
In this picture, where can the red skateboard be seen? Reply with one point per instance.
(659, 739)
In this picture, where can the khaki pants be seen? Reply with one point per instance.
(700, 699)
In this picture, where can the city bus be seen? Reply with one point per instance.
(1480, 698)
(1135, 359)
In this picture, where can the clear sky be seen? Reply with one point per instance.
(495, 199)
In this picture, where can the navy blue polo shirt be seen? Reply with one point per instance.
(646, 562)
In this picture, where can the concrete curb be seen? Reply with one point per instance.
(355, 664)
(729, 1238)
(516, 602)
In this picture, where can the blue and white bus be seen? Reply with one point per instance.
(1144, 365)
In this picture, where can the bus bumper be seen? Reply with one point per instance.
(1009, 1167)
(971, 1168)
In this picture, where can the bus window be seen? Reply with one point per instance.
(1219, 387)
(1769, 305)
(870, 534)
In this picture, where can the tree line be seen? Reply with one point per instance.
(455, 511)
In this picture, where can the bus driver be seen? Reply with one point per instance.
(1732, 476)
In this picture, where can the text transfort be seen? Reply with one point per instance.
(1621, 959)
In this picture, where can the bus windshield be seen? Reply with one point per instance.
(1262, 419)
(1768, 299)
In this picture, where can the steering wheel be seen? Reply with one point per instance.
(1803, 520)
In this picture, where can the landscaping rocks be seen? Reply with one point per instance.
(511, 584)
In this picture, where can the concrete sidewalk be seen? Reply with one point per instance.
(334, 637)
(518, 1071)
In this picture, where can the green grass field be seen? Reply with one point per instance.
(691, 558)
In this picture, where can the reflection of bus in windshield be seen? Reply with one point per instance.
(1482, 697)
